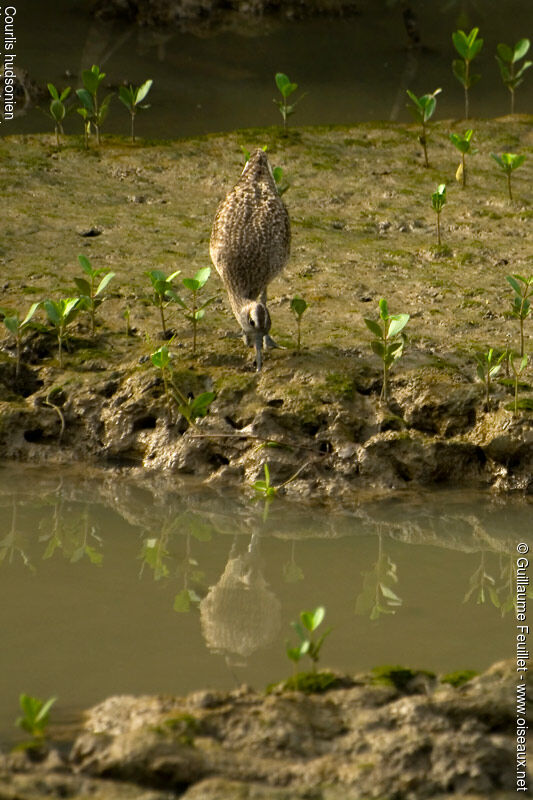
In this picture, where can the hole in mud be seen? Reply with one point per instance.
(276, 403)
(325, 447)
(35, 436)
(218, 460)
(145, 423)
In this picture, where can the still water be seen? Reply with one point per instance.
(123, 585)
(353, 69)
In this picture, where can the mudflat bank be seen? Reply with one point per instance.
(362, 228)
(393, 734)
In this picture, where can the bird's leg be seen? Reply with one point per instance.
(268, 341)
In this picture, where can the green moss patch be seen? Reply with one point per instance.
(396, 676)
(459, 678)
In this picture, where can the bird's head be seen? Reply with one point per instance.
(255, 323)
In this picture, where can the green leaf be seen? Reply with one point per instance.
(298, 305)
(511, 279)
(505, 53)
(191, 283)
(64, 94)
(104, 282)
(398, 323)
(31, 312)
(125, 95)
(182, 602)
(57, 110)
(383, 309)
(85, 264)
(459, 70)
(86, 100)
(202, 276)
(520, 49)
(83, 286)
(460, 42)
(53, 91)
(378, 348)
(12, 324)
(53, 311)
(143, 90)
(373, 327)
(91, 78)
(281, 81)
(200, 405)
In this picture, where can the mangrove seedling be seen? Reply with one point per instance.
(389, 341)
(132, 99)
(91, 111)
(164, 292)
(35, 718)
(307, 625)
(508, 162)
(57, 108)
(286, 89)
(422, 109)
(487, 369)
(18, 327)
(195, 311)
(91, 297)
(512, 74)
(464, 145)
(298, 306)
(468, 46)
(438, 200)
(192, 408)
(60, 314)
(517, 371)
(521, 304)
(161, 359)
(264, 487)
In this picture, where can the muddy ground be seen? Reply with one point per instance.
(362, 228)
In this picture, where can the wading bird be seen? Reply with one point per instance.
(249, 246)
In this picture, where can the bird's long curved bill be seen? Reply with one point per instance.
(258, 353)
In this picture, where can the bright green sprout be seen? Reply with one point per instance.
(57, 108)
(92, 112)
(468, 46)
(132, 98)
(298, 306)
(35, 718)
(307, 625)
(265, 487)
(438, 200)
(61, 313)
(517, 371)
(422, 109)
(508, 162)
(164, 293)
(195, 311)
(464, 145)
(512, 75)
(91, 295)
(521, 304)
(191, 408)
(389, 341)
(487, 369)
(18, 327)
(286, 88)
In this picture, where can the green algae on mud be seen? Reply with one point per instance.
(365, 191)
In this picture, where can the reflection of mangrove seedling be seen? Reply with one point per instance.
(463, 144)
(438, 200)
(164, 293)
(389, 341)
(74, 537)
(91, 297)
(61, 313)
(286, 88)
(521, 304)
(517, 371)
(18, 327)
(422, 109)
(292, 573)
(298, 306)
(91, 112)
(195, 311)
(468, 46)
(508, 162)
(35, 719)
(377, 596)
(13, 543)
(512, 75)
(189, 566)
(153, 555)
(481, 584)
(132, 98)
(57, 108)
(487, 368)
(309, 622)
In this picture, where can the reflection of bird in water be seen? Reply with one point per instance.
(249, 246)
(240, 614)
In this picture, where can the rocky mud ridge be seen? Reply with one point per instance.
(393, 735)
(362, 228)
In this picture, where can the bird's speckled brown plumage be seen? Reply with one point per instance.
(250, 239)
